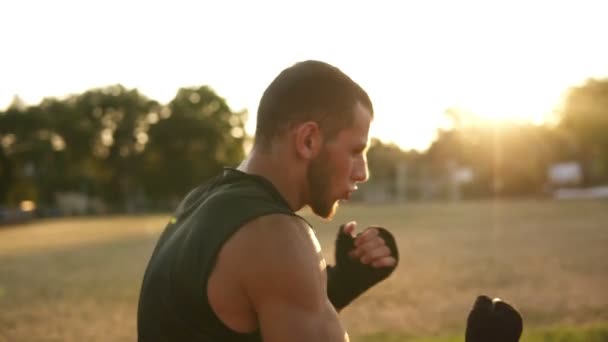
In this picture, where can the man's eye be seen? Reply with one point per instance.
(359, 150)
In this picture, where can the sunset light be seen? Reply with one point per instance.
(507, 60)
(137, 202)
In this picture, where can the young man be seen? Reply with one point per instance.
(237, 263)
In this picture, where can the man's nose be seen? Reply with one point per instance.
(361, 172)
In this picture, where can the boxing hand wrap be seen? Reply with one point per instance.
(493, 321)
(349, 278)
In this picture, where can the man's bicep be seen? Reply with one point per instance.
(290, 321)
(286, 286)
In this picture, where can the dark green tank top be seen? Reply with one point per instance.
(173, 303)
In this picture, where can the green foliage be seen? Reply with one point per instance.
(585, 117)
(117, 145)
(383, 157)
(198, 136)
(508, 158)
(133, 152)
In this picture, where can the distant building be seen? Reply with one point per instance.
(75, 203)
(565, 174)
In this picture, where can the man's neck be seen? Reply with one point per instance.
(280, 170)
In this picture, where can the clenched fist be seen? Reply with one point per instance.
(493, 321)
(362, 260)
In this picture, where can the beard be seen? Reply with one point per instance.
(318, 177)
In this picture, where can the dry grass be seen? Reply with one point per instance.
(78, 279)
(549, 259)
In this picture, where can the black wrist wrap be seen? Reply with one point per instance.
(349, 278)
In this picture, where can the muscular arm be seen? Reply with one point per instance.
(283, 276)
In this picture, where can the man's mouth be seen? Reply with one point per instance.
(349, 194)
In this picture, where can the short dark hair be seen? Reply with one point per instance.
(308, 91)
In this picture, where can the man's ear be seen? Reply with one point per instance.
(308, 140)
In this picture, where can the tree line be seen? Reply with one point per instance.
(506, 159)
(134, 153)
(116, 145)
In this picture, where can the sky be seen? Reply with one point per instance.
(498, 59)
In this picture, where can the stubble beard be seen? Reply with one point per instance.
(319, 183)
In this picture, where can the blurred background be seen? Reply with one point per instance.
(488, 157)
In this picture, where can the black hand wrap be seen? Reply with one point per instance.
(349, 278)
(493, 321)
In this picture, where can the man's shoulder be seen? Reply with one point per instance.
(278, 248)
(277, 230)
(275, 239)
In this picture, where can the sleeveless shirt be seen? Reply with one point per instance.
(173, 303)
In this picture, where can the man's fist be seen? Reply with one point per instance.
(370, 248)
(362, 261)
(493, 321)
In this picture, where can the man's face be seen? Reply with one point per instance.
(334, 174)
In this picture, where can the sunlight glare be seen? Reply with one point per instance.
(414, 63)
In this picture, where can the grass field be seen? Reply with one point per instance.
(78, 279)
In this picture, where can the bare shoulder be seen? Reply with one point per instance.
(279, 246)
(278, 265)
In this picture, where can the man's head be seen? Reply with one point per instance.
(341, 164)
(308, 91)
(326, 115)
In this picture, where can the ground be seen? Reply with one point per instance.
(78, 279)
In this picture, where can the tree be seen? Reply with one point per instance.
(118, 145)
(585, 116)
(196, 136)
(113, 123)
(384, 161)
(507, 158)
(25, 150)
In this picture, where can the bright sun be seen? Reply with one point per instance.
(518, 102)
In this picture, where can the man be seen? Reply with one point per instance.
(236, 263)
